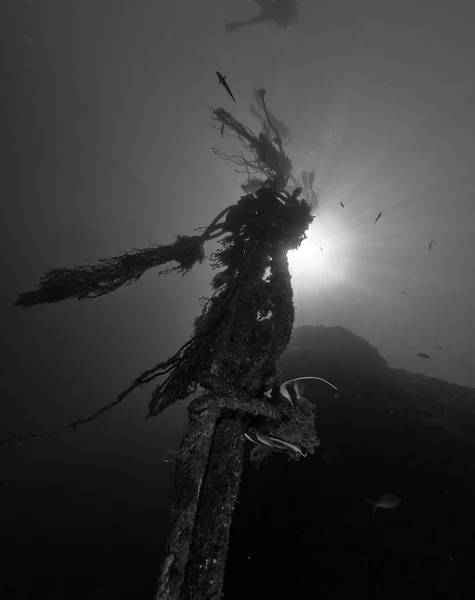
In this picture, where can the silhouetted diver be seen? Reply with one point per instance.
(222, 81)
(282, 12)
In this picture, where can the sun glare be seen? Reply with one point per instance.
(322, 258)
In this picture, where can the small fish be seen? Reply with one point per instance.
(342, 205)
(222, 81)
(321, 248)
(423, 355)
(430, 245)
(377, 218)
(386, 501)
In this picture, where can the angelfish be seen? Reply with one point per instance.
(386, 501)
(273, 442)
(282, 444)
(292, 391)
(298, 388)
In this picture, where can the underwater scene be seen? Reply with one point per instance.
(266, 211)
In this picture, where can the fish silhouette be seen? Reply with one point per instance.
(222, 81)
(386, 501)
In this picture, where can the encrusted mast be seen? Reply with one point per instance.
(244, 328)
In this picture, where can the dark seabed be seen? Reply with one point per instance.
(303, 529)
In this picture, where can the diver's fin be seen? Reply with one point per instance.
(305, 179)
(311, 179)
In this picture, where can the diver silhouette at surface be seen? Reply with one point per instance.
(282, 12)
(278, 126)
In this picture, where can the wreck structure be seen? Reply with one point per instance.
(243, 329)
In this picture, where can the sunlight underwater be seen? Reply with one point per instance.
(323, 259)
